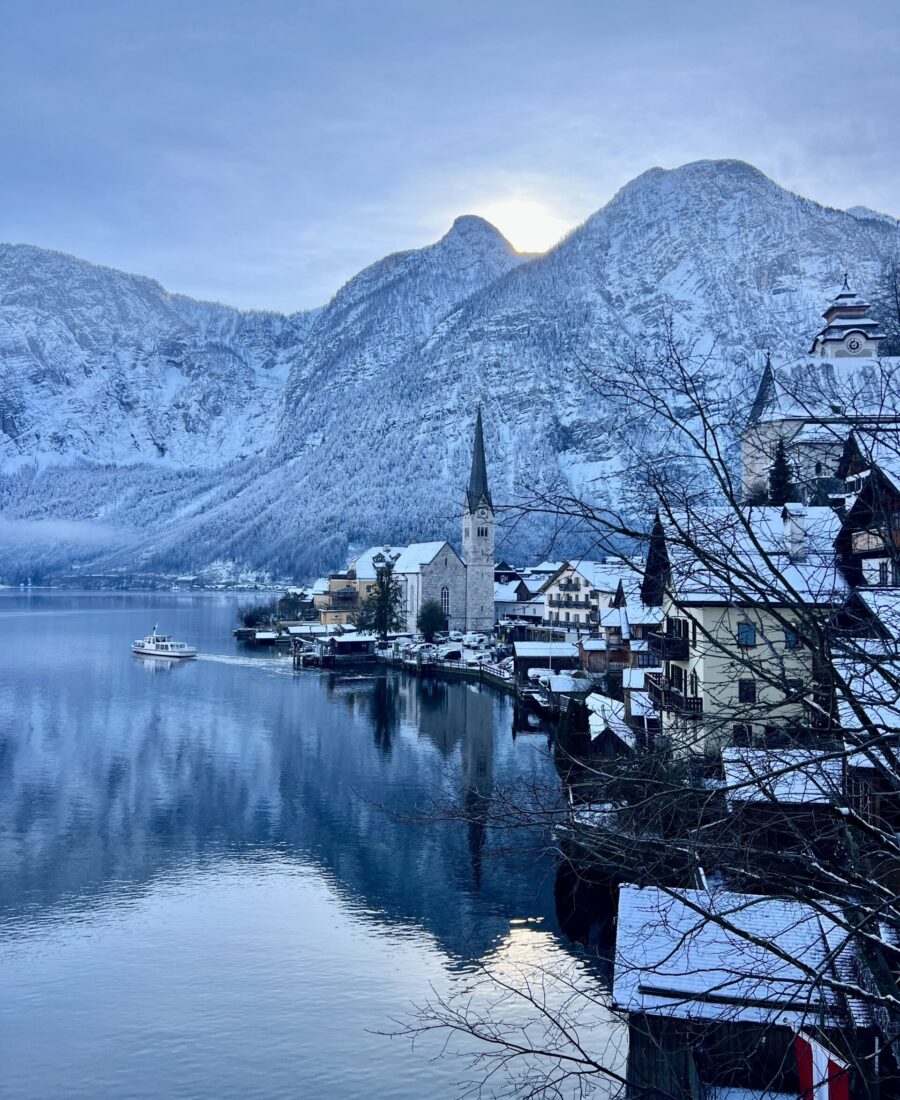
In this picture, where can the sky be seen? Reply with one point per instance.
(262, 153)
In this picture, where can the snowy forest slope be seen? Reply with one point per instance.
(140, 429)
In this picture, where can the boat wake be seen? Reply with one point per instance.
(277, 665)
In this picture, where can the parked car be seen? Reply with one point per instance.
(473, 659)
(455, 636)
(450, 652)
(474, 640)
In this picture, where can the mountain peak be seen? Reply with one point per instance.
(474, 230)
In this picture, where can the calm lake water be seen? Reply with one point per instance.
(209, 885)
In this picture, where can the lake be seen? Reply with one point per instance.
(214, 877)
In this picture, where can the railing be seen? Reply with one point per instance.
(669, 647)
(668, 698)
(558, 601)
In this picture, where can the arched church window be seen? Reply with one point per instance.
(445, 600)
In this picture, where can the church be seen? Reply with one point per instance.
(463, 586)
(812, 404)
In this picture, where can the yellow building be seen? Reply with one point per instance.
(742, 600)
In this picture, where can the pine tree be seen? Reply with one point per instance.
(431, 619)
(380, 613)
(781, 477)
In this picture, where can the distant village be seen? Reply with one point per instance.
(719, 647)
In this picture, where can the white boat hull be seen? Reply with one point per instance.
(168, 654)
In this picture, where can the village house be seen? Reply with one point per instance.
(868, 544)
(734, 664)
(812, 403)
(339, 603)
(578, 591)
(710, 1008)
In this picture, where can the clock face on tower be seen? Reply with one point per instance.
(482, 513)
(853, 344)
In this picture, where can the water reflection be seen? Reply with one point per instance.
(115, 769)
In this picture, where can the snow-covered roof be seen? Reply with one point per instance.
(418, 554)
(674, 959)
(319, 586)
(788, 552)
(546, 567)
(593, 645)
(872, 691)
(364, 564)
(534, 582)
(545, 649)
(568, 685)
(780, 775)
(633, 678)
(506, 593)
(884, 604)
(608, 714)
(642, 705)
(830, 390)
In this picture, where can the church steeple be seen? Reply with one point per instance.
(849, 330)
(478, 491)
(478, 541)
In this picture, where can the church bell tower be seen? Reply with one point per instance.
(478, 541)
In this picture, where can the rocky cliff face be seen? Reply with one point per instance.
(283, 442)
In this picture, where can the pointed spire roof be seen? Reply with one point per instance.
(765, 394)
(478, 492)
(657, 571)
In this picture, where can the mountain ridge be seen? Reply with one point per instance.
(281, 442)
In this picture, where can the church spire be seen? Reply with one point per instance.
(478, 492)
(765, 394)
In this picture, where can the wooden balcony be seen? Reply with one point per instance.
(668, 647)
(666, 697)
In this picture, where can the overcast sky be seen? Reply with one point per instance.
(261, 153)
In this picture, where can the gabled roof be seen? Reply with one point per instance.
(673, 960)
(710, 556)
(840, 391)
(780, 776)
(364, 564)
(418, 554)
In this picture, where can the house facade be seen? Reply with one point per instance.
(734, 668)
(811, 404)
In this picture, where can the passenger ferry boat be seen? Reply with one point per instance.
(162, 645)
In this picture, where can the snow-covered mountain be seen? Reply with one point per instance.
(106, 366)
(191, 432)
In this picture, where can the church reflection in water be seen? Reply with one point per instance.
(108, 783)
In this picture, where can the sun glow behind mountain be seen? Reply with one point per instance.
(528, 224)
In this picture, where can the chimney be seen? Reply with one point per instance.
(794, 518)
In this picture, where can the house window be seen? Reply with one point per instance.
(695, 684)
(818, 467)
(467, 532)
(746, 634)
(793, 688)
(791, 638)
(445, 600)
(567, 616)
(746, 691)
(742, 735)
(882, 572)
(646, 660)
